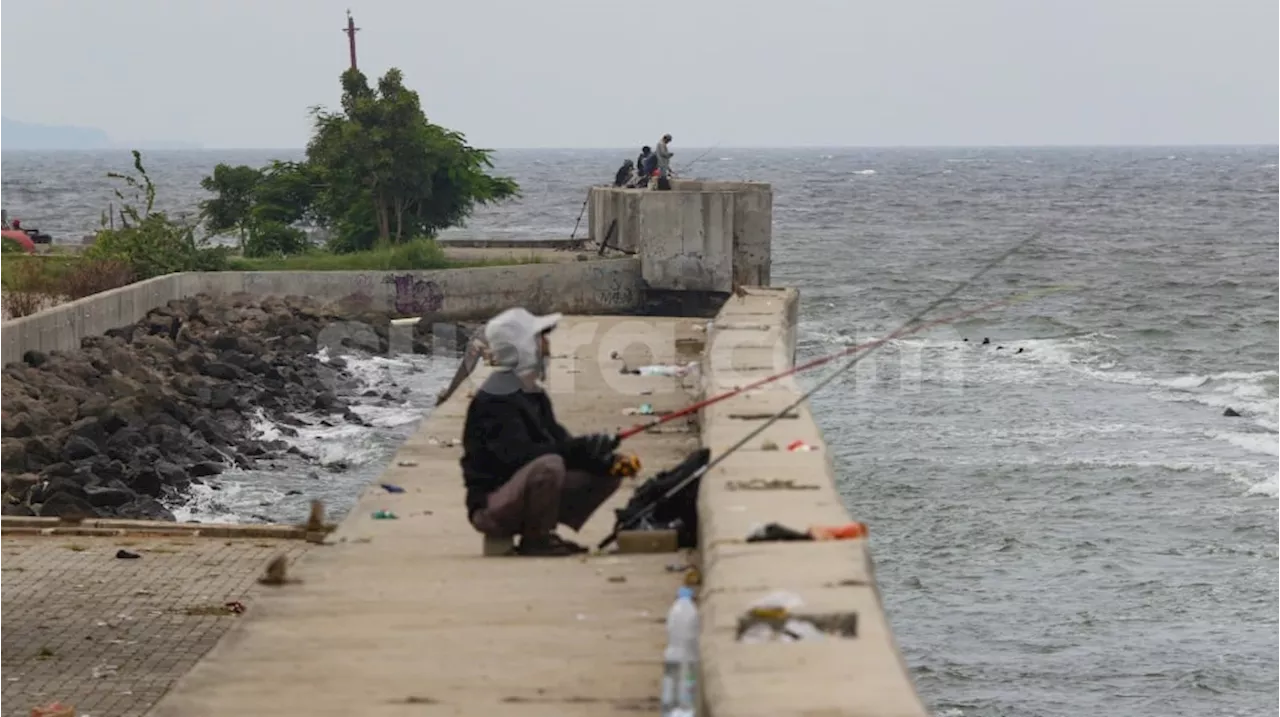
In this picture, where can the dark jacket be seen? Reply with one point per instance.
(504, 430)
(650, 164)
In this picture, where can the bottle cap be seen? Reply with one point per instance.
(684, 592)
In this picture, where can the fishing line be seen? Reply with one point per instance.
(650, 507)
(699, 405)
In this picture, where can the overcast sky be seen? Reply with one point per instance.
(610, 73)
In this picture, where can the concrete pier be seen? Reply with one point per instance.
(842, 674)
(404, 616)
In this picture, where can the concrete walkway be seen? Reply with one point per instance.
(404, 617)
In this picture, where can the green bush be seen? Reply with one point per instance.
(11, 246)
(149, 242)
(269, 238)
(157, 246)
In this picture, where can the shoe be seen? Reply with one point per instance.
(545, 547)
(576, 548)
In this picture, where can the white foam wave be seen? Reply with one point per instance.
(865, 172)
(238, 496)
(221, 504)
(1269, 487)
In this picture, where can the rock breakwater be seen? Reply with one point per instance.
(133, 419)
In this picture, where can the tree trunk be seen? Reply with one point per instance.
(399, 220)
(384, 220)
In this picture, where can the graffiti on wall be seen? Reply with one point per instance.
(415, 296)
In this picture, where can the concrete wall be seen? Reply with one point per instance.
(595, 287)
(673, 233)
(61, 328)
(592, 287)
(752, 338)
(606, 205)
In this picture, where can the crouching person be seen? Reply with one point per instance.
(524, 473)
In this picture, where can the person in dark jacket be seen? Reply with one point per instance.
(524, 473)
(624, 174)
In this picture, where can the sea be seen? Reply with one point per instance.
(1064, 521)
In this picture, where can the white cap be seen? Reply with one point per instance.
(512, 337)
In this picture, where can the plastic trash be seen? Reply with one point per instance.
(770, 620)
(664, 370)
(391, 488)
(848, 531)
(55, 709)
(680, 659)
(800, 447)
(384, 515)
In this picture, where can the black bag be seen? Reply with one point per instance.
(680, 511)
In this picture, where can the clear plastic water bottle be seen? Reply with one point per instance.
(680, 660)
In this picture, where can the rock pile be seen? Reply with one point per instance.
(147, 410)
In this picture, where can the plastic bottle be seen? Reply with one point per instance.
(680, 660)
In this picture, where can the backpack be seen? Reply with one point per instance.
(680, 511)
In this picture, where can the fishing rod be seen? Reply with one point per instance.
(648, 509)
(823, 360)
(695, 160)
(584, 211)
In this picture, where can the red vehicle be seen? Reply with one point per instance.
(21, 238)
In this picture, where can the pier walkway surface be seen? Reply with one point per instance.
(399, 617)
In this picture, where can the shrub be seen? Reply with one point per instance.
(149, 242)
(27, 287)
(91, 277)
(269, 238)
(10, 246)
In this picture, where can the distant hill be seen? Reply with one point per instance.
(25, 135)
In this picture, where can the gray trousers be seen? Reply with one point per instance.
(542, 495)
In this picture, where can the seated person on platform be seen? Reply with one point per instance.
(524, 473)
(624, 174)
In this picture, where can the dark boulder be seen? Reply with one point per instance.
(66, 504)
(78, 448)
(110, 495)
(145, 508)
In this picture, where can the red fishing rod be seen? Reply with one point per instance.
(912, 325)
(905, 331)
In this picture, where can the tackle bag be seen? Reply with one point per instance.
(679, 511)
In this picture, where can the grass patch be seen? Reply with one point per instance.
(418, 255)
(414, 255)
(76, 547)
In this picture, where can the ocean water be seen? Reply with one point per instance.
(1064, 522)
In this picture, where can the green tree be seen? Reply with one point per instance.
(229, 209)
(376, 171)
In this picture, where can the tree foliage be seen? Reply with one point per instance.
(148, 241)
(376, 171)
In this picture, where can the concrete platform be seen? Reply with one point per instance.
(399, 617)
(861, 674)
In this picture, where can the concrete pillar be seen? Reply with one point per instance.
(686, 240)
(683, 235)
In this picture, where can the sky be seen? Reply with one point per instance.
(608, 73)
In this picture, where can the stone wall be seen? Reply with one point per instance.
(854, 674)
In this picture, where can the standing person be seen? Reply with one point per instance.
(644, 155)
(648, 169)
(664, 162)
(524, 473)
